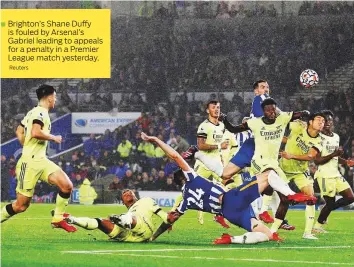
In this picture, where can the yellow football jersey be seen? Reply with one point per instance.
(146, 210)
(329, 145)
(299, 143)
(214, 134)
(32, 146)
(268, 138)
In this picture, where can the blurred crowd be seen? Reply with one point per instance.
(142, 165)
(158, 56)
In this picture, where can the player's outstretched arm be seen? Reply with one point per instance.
(320, 160)
(311, 155)
(170, 152)
(231, 128)
(20, 133)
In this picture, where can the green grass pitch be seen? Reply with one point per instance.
(28, 240)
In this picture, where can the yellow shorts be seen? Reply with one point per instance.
(331, 186)
(202, 171)
(257, 168)
(300, 179)
(28, 171)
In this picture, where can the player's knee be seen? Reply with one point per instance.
(67, 187)
(226, 175)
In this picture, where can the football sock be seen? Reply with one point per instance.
(6, 212)
(61, 202)
(274, 203)
(278, 184)
(211, 164)
(250, 238)
(310, 218)
(276, 225)
(85, 222)
(265, 203)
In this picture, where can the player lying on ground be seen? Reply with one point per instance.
(234, 205)
(329, 178)
(134, 226)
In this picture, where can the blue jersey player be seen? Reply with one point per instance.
(234, 205)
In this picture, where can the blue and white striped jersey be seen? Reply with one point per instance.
(257, 110)
(242, 137)
(200, 194)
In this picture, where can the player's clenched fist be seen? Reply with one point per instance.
(173, 216)
(57, 139)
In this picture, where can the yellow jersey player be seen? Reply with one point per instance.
(210, 142)
(137, 225)
(303, 145)
(34, 134)
(329, 179)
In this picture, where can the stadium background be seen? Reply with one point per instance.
(168, 59)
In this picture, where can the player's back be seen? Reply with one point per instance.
(32, 147)
(329, 145)
(201, 194)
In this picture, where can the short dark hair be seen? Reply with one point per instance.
(316, 114)
(178, 177)
(214, 102)
(44, 90)
(268, 101)
(327, 112)
(256, 83)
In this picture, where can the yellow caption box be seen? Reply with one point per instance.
(56, 43)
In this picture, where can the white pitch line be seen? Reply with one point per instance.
(236, 259)
(195, 249)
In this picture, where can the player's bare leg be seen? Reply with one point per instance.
(20, 205)
(332, 204)
(229, 171)
(60, 179)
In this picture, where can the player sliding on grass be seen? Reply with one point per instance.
(234, 205)
(134, 226)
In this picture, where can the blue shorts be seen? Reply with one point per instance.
(244, 156)
(236, 204)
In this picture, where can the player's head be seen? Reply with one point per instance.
(178, 177)
(317, 121)
(213, 108)
(48, 93)
(328, 127)
(269, 107)
(261, 87)
(128, 197)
